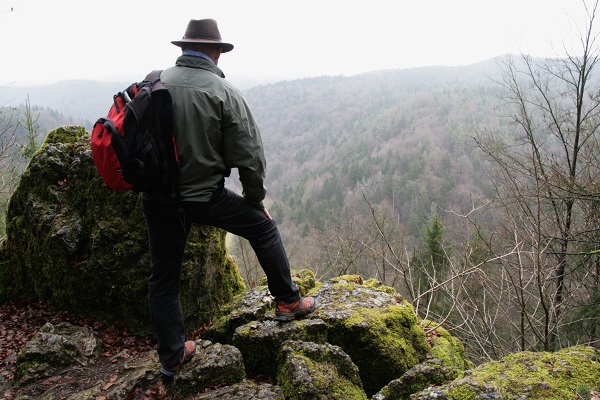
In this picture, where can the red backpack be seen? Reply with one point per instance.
(133, 147)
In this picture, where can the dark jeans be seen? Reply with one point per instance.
(168, 230)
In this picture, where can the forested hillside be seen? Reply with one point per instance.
(408, 132)
(403, 137)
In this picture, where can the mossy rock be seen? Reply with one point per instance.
(446, 347)
(318, 371)
(432, 372)
(378, 285)
(213, 365)
(244, 308)
(380, 332)
(260, 342)
(78, 246)
(565, 374)
(356, 279)
(305, 280)
(257, 304)
(53, 349)
(375, 327)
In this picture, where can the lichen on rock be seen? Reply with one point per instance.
(378, 331)
(431, 372)
(527, 375)
(214, 364)
(376, 328)
(53, 349)
(78, 246)
(446, 347)
(260, 341)
(318, 371)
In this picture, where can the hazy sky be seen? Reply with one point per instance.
(52, 40)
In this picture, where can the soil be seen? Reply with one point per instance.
(21, 320)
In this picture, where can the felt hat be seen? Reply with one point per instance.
(203, 31)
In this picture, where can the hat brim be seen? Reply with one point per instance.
(225, 47)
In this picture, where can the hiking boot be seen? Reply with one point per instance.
(189, 350)
(289, 311)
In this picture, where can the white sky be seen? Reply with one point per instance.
(53, 40)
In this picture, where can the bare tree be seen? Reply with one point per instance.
(8, 162)
(547, 176)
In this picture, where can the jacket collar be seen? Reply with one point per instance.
(200, 63)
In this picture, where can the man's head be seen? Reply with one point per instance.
(202, 32)
(212, 50)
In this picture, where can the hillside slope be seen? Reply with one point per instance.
(405, 135)
(402, 136)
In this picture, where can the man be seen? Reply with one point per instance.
(215, 132)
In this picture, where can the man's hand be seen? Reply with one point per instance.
(267, 214)
(260, 205)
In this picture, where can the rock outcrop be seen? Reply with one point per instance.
(78, 246)
(571, 373)
(357, 341)
(55, 349)
(297, 360)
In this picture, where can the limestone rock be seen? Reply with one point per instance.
(308, 365)
(375, 327)
(251, 306)
(78, 246)
(569, 373)
(318, 371)
(260, 342)
(254, 305)
(243, 391)
(380, 332)
(445, 346)
(137, 373)
(429, 373)
(54, 349)
(213, 365)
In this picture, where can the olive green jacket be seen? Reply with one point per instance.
(215, 131)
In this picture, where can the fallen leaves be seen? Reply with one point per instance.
(21, 320)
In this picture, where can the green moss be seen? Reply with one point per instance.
(327, 379)
(533, 375)
(445, 346)
(377, 285)
(384, 343)
(23, 369)
(202, 299)
(65, 135)
(462, 392)
(355, 279)
(306, 281)
(546, 375)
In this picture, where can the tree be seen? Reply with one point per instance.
(431, 263)
(547, 179)
(246, 260)
(30, 124)
(433, 240)
(8, 164)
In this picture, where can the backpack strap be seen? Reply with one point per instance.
(155, 84)
(153, 76)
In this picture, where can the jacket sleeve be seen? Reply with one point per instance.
(243, 149)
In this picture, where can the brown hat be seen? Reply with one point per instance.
(203, 31)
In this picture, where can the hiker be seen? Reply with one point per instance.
(215, 132)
